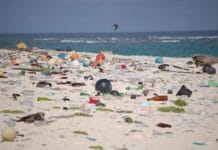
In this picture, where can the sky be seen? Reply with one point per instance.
(69, 16)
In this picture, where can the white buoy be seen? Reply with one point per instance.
(75, 64)
(8, 134)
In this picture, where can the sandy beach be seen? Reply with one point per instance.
(78, 117)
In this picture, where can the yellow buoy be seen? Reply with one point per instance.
(21, 45)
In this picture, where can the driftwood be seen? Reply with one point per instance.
(201, 60)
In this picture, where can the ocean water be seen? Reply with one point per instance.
(171, 44)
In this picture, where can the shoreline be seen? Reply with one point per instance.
(91, 53)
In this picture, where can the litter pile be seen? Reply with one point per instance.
(64, 99)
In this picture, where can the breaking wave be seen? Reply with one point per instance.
(45, 39)
(182, 37)
(170, 41)
(72, 41)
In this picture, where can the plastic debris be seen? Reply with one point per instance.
(198, 143)
(145, 107)
(43, 99)
(124, 111)
(89, 77)
(164, 125)
(169, 92)
(133, 96)
(12, 111)
(184, 91)
(75, 56)
(100, 104)
(209, 69)
(77, 84)
(62, 55)
(171, 109)
(91, 138)
(128, 119)
(65, 99)
(15, 96)
(123, 66)
(104, 109)
(93, 100)
(46, 81)
(212, 83)
(96, 147)
(159, 60)
(8, 134)
(103, 85)
(80, 132)
(158, 98)
(163, 66)
(115, 93)
(84, 94)
(180, 102)
(75, 64)
(43, 84)
(21, 45)
(83, 115)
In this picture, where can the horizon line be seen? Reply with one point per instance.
(160, 31)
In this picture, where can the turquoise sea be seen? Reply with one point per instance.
(173, 44)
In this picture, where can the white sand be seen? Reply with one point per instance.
(108, 129)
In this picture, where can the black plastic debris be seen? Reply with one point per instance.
(100, 104)
(140, 83)
(209, 69)
(14, 95)
(98, 93)
(66, 99)
(115, 93)
(65, 108)
(184, 91)
(145, 92)
(164, 125)
(43, 84)
(68, 82)
(163, 66)
(89, 77)
(169, 92)
(133, 96)
(103, 85)
(77, 84)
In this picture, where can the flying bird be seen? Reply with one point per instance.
(115, 26)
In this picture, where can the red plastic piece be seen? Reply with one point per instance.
(100, 56)
(123, 66)
(93, 100)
